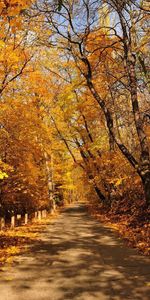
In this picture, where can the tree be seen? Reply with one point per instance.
(117, 42)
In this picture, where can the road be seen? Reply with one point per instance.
(77, 258)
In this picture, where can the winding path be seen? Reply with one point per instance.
(77, 259)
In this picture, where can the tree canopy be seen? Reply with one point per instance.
(74, 92)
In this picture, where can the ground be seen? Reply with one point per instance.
(77, 258)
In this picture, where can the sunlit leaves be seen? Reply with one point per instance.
(3, 175)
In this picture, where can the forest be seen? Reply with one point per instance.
(75, 108)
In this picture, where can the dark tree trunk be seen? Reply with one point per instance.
(100, 195)
(146, 186)
(90, 175)
(109, 122)
(130, 59)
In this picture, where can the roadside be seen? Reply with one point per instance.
(17, 240)
(132, 223)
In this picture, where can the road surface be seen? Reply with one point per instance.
(77, 258)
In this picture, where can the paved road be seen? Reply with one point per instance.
(77, 259)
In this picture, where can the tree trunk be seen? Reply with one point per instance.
(109, 123)
(146, 186)
(89, 173)
(100, 195)
(130, 66)
(135, 106)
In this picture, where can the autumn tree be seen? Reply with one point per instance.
(109, 42)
